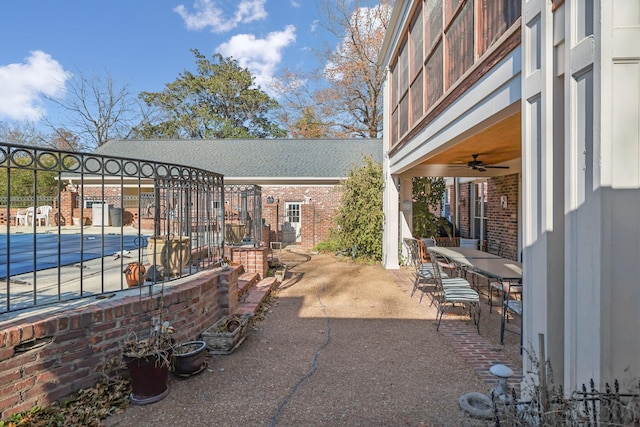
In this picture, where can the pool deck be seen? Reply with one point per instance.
(97, 276)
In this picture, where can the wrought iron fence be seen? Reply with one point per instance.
(243, 214)
(586, 407)
(70, 223)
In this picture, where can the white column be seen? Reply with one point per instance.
(390, 236)
(542, 180)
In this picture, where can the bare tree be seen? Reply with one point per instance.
(355, 89)
(25, 133)
(62, 139)
(98, 110)
(349, 103)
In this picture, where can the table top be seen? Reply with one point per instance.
(499, 268)
(461, 255)
(483, 262)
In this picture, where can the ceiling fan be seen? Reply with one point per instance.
(479, 165)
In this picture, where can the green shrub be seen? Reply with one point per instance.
(330, 246)
(360, 217)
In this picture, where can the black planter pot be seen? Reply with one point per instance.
(191, 362)
(149, 376)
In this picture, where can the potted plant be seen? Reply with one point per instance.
(148, 362)
(188, 358)
(227, 333)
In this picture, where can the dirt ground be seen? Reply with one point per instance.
(342, 344)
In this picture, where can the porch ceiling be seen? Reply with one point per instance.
(496, 144)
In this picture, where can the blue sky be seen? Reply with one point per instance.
(142, 43)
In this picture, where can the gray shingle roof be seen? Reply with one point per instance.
(264, 158)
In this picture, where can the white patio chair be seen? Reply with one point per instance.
(26, 216)
(22, 216)
(42, 214)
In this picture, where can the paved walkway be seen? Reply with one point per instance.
(477, 351)
(343, 345)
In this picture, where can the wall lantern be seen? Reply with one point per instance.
(270, 199)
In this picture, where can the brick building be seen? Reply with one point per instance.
(299, 177)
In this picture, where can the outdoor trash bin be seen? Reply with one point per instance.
(116, 217)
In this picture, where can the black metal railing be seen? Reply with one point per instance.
(70, 223)
(243, 214)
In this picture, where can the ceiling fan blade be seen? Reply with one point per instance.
(495, 167)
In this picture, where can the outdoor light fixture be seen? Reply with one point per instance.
(270, 199)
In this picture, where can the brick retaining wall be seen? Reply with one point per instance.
(46, 357)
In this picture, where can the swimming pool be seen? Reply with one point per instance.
(53, 250)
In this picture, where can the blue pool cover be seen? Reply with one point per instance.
(73, 248)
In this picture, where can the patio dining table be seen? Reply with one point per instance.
(485, 264)
(462, 256)
(503, 270)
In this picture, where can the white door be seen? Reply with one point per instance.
(479, 207)
(292, 228)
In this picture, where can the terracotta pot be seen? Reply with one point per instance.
(149, 377)
(135, 274)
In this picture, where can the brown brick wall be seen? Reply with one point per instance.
(317, 215)
(502, 223)
(78, 342)
(465, 209)
(254, 260)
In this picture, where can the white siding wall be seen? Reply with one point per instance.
(620, 185)
(603, 192)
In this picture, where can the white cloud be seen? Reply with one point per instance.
(295, 3)
(260, 56)
(208, 14)
(314, 25)
(22, 86)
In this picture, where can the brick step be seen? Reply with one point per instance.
(255, 296)
(246, 281)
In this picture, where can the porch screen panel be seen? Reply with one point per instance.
(416, 99)
(416, 46)
(459, 39)
(403, 70)
(404, 115)
(434, 77)
(403, 90)
(416, 59)
(394, 104)
(495, 17)
(394, 126)
(394, 86)
(450, 7)
(433, 24)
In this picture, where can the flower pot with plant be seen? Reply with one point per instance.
(149, 361)
(227, 334)
(188, 358)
